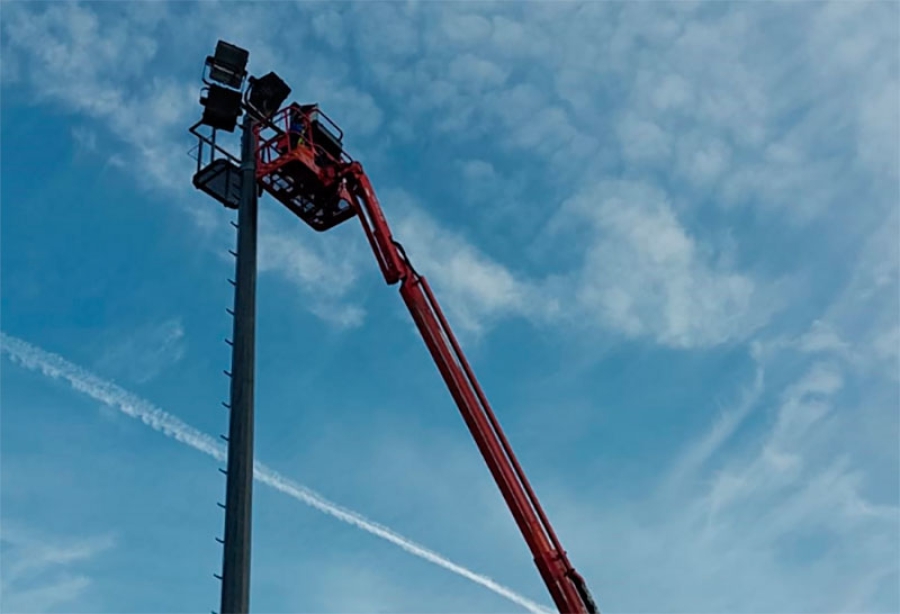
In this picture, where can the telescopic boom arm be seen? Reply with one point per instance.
(301, 162)
(567, 587)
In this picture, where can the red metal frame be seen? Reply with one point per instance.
(566, 586)
(303, 177)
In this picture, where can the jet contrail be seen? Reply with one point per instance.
(57, 367)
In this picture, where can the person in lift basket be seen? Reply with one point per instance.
(297, 130)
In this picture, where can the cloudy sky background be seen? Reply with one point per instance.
(667, 234)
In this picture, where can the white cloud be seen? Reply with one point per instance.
(725, 77)
(820, 337)
(325, 268)
(114, 397)
(672, 92)
(474, 75)
(751, 128)
(142, 353)
(472, 287)
(784, 518)
(702, 160)
(804, 406)
(466, 29)
(85, 139)
(329, 26)
(479, 170)
(786, 112)
(40, 573)
(694, 457)
(554, 82)
(360, 115)
(862, 323)
(93, 65)
(350, 587)
(643, 273)
(387, 30)
(643, 140)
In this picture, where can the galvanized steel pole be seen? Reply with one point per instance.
(239, 489)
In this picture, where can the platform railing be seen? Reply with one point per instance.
(273, 137)
(206, 144)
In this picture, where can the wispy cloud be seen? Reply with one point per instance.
(693, 458)
(788, 518)
(642, 274)
(56, 367)
(326, 271)
(143, 353)
(80, 61)
(85, 138)
(712, 173)
(730, 107)
(475, 288)
(645, 275)
(40, 573)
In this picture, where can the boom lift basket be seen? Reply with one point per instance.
(299, 154)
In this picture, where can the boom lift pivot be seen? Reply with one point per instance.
(301, 162)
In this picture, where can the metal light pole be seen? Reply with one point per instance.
(232, 182)
(239, 489)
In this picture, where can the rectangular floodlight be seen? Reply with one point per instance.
(229, 65)
(268, 93)
(221, 108)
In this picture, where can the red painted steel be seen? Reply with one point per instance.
(342, 180)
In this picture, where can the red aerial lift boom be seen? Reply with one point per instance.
(302, 163)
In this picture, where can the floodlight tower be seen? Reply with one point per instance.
(232, 181)
(296, 154)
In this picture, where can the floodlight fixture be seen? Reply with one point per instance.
(267, 93)
(229, 65)
(222, 107)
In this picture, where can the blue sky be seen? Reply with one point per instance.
(666, 233)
